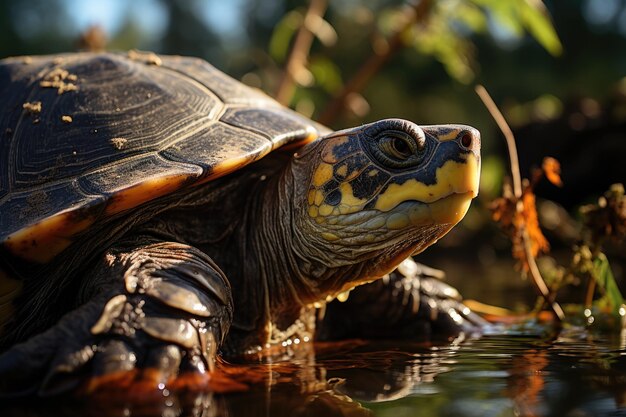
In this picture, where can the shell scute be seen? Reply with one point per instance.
(138, 131)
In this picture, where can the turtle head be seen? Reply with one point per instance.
(381, 192)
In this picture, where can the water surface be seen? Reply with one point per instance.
(571, 374)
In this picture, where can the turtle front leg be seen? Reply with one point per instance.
(410, 303)
(149, 312)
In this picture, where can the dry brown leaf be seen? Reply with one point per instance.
(538, 242)
(552, 170)
(607, 218)
(514, 221)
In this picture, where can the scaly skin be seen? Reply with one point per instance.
(345, 210)
(368, 242)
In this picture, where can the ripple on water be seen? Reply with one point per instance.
(515, 373)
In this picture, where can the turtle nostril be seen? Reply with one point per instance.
(466, 140)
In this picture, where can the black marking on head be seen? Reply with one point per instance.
(336, 152)
(329, 186)
(354, 165)
(427, 174)
(444, 152)
(339, 172)
(369, 182)
(333, 198)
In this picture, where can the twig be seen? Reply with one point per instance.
(538, 280)
(374, 63)
(591, 289)
(508, 135)
(299, 53)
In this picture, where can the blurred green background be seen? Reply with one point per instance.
(556, 69)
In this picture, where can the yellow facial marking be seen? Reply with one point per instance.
(373, 173)
(313, 211)
(331, 237)
(319, 197)
(325, 210)
(342, 170)
(348, 198)
(451, 135)
(452, 177)
(311, 196)
(348, 204)
(452, 209)
(420, 215)
(42, 241)
(323, 173)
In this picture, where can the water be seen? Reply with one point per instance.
(571, 374)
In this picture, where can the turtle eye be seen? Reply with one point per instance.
(396, 149)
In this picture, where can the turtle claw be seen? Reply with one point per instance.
(126, 350)
(144, 344)
(116, 367)
(145, 334)
(162, 364)
(114, 356)
(410, 303)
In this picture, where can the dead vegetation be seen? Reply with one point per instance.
(516, 214)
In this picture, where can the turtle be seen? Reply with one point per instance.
(157, 214)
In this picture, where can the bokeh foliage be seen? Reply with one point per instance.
(510, 46)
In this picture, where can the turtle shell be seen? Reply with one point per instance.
(88, 136)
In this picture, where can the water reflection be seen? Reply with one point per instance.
(572, 374)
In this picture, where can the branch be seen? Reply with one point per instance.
(508, 135)
(299, 53)
(374, 63)
(540, 283)
(538, 280)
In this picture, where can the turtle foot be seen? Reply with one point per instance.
(411, 303)
(164, 318)
(132, 348)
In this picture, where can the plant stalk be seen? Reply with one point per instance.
(298, 56)
(374, 63)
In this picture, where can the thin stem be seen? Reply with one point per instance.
(591, 289)
(508, 135)
(538, 280)
(298, 56)
(374, 63)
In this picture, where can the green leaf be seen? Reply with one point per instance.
(445, 45)
(504, 14)
(604, 278)
(471, 16)
(517, 15)
(327, 74)
(535, 17)
(282, 35)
